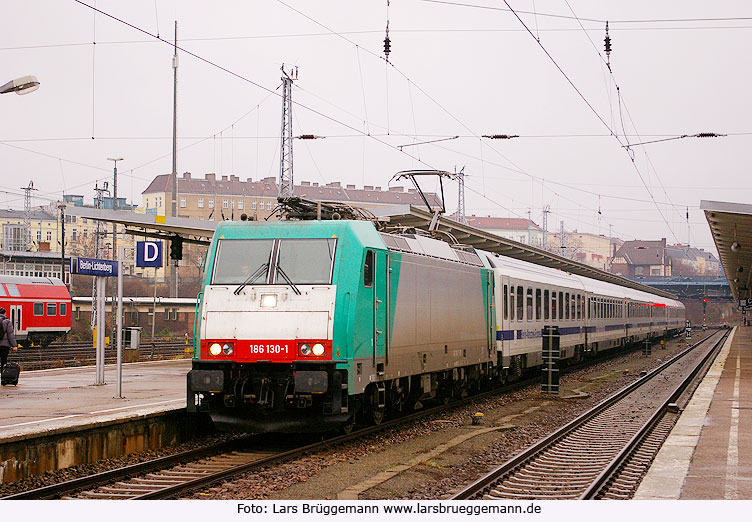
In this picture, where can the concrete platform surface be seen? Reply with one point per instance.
(708, 455)
(49, 400)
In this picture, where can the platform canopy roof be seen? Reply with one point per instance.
(731, 226)
(196, 230)
(404, 216)
(392, 216)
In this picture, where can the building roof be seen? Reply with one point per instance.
(35, 215)
(642, 252)
(691, 253)
(267, 187)
(499, 223)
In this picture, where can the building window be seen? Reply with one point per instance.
(149, 315)
(182, 202)
(253, 205)
(269, 205)
(240, 204)
(167, 314)
(74, 235)
(38, 308)
(225, 203)
(51, 309)
(39, 235)
(232, 202)
(174, 314)
(78, 313)
(211, 202)
(49, 236)
(200, 202)
(522, 239)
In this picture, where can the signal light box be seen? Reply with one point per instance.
(149, 254)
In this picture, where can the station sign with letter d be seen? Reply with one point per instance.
(149, 254)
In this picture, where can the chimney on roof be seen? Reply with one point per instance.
(234, 178)
(378, 188)
(411, 191)
(186, 175)
(334, 184)
(351, 187)
(210, 177)
(367, 187)
(224, 178)
(269, 180)
(305, 183)
(315, 184)
(249, 180)
(396, 189)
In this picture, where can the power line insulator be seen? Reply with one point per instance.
(387, 47)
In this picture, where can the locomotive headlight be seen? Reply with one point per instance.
(318, 349)
(305, 349)
(268, 300)
(227, 349)
(215, 349)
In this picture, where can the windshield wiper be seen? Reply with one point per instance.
(251, 278)
(289, 281)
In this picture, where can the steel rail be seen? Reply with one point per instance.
(107, 477)
(613, 467)
(491, 477)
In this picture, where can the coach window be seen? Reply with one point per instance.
(529, 304)
(579, 306)
(553, 305)
(537, 304)
(520, 303)
(562, 304)
(506, 303)
(38, 308)
(566, 305)
(63, 309)
(368, 270)
(51, 309)
(545, 305)
(511, 303)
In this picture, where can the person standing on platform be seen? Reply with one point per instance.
(7, 338)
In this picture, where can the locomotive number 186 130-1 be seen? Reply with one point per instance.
(271, 349)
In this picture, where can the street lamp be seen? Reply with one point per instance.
(23, 85)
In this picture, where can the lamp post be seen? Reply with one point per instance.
(114, 229)
(23, 85)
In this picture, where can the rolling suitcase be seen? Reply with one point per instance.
(10, 374)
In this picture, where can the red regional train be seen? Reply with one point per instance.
(38, 307)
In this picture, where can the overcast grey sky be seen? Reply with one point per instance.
(463, 68)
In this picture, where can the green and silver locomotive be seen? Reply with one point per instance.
(315, 325)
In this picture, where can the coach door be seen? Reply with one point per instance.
(504, 310)
(16, 318)
(379, 294)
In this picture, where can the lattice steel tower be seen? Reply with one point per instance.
(460, 176)
(27, 215)
(286, 182)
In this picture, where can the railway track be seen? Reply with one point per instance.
(169, 477)
(83, 354)
(605, 452)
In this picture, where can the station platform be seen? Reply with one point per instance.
(708, 455)
(46, 401)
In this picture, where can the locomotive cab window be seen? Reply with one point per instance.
(368, 269)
